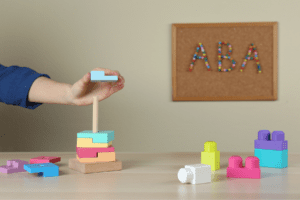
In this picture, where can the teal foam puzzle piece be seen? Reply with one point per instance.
(272, 158)
(100, 76)
(98, 137)
(44, 169)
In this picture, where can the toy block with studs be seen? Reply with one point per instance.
(45, 159)
(210, 155)
(272, 152)
(44, 169)
(13, 166)
(195, 174)
(94, 167)
(100, 76)
(264, 141)
(251, 170)
(88, 143)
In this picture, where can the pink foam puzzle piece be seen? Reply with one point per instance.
(13, 166)
(236, 169)
(92, 152)
(45, 159)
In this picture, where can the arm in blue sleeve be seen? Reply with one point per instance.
(15, 83)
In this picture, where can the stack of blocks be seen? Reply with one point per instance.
(95, 153)
(210, 155)
(271, 153)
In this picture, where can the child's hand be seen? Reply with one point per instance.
(82, 92)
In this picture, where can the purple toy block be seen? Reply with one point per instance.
(13, 166)
(264, 141)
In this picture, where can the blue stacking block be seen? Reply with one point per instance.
(98, 137)
(100, 76)
(44, 169)
(272, 158)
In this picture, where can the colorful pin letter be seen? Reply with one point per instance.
(227, 56)
(204, 57)
(252, 48)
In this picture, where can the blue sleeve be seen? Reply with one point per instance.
(15, 83)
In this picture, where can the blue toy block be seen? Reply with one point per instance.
(100, 76)
(44, 169)
(98, 137)
(272, 158)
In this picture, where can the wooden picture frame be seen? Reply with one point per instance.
(203, 85)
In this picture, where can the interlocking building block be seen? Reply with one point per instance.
(45, 169)
(98, 137)
(236, 169)
(195, 174)
(95, 166)
(92, 152)
(210, 155)
(272, 158)
(88, 143)
(264, 141)
(102, 157)
(100, 76)
(13, 166)
(44, 159)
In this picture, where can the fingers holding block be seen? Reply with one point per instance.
(88, 143)
(47, 169)
(100, 76)
(45, 159)
(13, 166)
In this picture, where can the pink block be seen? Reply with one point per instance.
(92, 152)
(236, 169)
(13, 166)
(44, 159)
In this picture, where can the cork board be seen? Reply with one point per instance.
(203, 85)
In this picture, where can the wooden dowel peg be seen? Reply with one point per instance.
(95, 114)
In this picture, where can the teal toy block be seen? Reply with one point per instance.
(98, 137)
(45, 169)
(100, 76)
(272, 158)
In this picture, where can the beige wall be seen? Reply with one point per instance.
(66, 39)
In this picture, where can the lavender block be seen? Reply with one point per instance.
(264, 141)
(13, 166)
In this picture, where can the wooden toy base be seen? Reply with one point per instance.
(95, 166)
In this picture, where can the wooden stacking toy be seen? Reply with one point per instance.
(94, 150)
